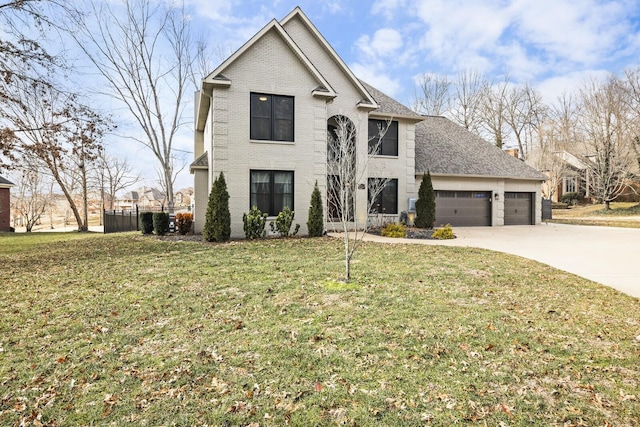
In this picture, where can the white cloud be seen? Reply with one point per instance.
(332, 7)
(387, 8)
(580, 33)
(376, 79)
(553, 87)
(385, 42)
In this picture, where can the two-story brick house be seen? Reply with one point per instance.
(262, 117)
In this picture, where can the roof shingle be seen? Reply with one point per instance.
(443, 147)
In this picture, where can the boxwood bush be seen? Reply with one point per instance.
(146, 222)
(160, 223)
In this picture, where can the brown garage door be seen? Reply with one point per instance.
(518, 208)
(463, 208)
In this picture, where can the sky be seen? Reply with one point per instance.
(554, 45)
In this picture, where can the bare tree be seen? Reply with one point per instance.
(557, 133)
(467, 100)
(24, 59)
(493, 108)
(523, 112)
(31, 200)
(147, 54)
(631, 83)
(433, 95)
(604, 120)
(345, 173)
(111, 175)
(59, 133)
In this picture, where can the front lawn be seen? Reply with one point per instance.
(127, 329)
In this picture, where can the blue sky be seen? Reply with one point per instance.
(553, 44)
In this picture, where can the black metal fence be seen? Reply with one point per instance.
(546, 210)
(119, 221)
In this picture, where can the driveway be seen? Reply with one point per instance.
(607, 255)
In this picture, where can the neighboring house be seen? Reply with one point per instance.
(575, 176)
(263, 115)
(5, 204)
(183, 197)
(565, 173)
(144, 198)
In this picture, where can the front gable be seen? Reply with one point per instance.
(264, 54)
(327, 60)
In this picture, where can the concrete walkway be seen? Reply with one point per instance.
(607, 255)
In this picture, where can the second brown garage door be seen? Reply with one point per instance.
(463, 208)
(518, 208)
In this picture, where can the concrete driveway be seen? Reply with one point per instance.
(607, 255)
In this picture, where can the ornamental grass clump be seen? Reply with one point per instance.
(444, 233)
(394, 230)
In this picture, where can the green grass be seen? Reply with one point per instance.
(127, 329)
(617, 216)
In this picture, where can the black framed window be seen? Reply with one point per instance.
(271, 117)
(386, 201)
(388, 145)
(271, 191)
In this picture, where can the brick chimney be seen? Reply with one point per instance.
(513, 152)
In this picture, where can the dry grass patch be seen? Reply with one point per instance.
(124, 329)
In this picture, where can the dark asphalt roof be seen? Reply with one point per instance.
(388, 105)
(5, 181)
(445, 148)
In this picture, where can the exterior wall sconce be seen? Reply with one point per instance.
(496, 196)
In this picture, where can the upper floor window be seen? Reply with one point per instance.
(271, 117)
(383, 137)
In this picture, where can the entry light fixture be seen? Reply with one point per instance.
(263, 98)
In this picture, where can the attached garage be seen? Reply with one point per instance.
(463, 208)
(518, 208)
(476, 183)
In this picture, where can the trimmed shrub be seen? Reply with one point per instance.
(426, 204)
(184, 222)
(254, 223)
(160, 223)
(283, 222)
(315, 223)
(146, 222)
(394, 230)
(444, 233)
(217, 225)
(571, 198)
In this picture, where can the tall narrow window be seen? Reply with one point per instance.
(271, 117)
(383, 137)
(271, 191)
(386, 201)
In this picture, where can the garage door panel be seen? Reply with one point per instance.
(518, 208)
(463, 208)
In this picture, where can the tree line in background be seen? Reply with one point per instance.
(144, 55)
(599, 122)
